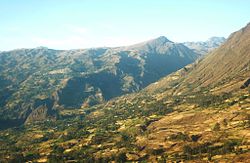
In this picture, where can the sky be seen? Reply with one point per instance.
(78, 24)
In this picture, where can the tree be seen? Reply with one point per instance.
(121, 157)
(216, 127)
(195, 138)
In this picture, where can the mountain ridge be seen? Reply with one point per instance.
(71, 79)
(204, 47)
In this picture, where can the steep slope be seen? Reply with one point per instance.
(225, 69)
(168, 121)
(32, 79)
(228, 65)
(205, 47)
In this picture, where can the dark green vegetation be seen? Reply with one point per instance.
(197, 114)
(44, 81)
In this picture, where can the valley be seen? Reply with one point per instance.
(199, 113)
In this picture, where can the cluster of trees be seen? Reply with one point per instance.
(84, 156)
(190, 152)
(207, 100)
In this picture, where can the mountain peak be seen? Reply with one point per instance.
(157, 42)
(163, 39)
(160, 40)
(150, 44)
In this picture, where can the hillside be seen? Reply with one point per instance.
(230, 61)
(225, 69)
(170, 120)
(43, 80)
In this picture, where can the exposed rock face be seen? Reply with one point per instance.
(39, 114)
(41, 110)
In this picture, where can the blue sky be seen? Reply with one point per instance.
(71, 24)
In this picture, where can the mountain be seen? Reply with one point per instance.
(226, 68)
(37, 83)
(199, 113)
(203, 47)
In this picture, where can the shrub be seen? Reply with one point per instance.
(216, 127)
(195, 138)
(179, 136)
(121, 157)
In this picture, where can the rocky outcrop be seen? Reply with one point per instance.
(43, 110)
(39, 114)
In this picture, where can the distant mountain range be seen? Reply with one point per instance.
(203, 47)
